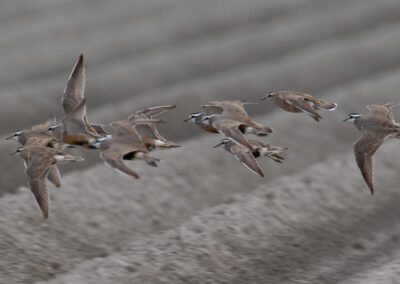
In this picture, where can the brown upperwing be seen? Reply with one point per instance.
(39, 162)
(44, 126)
(230, 109)
(75, 121)
(153, 111)
(364, 150)
(147, 130)
(382, 112)
(301, 104)
(53, 175)
(74, 91)
(230, 129)
(245, 156)
(124, 141)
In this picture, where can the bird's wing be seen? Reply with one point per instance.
(74, 121)
(39, 191)
(226, 108)
(40, 139)
(212, 109)
(128, 127)
(364, 150)
(74, 91)
(153, 111)
(38, 163)
(99, 129)
(383, 112)
(148, 131)
(53, 175)
(36, 172)
(230, 129)
(246, 157)
(113, 158)
(44, 126)
(304, 106)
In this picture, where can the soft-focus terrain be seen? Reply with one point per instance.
(201, 217)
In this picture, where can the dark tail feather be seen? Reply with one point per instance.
(276, 157)
(264, 130)
(322, 104)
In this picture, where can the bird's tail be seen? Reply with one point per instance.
(277, 149)
(262, 130)
(275, 157)
(325, 105)
(72, 159)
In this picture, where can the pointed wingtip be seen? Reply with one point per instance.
(372, 191)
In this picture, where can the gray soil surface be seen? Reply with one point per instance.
(201, 217)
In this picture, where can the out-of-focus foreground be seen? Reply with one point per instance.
(201, 216)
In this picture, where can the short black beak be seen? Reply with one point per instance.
(186, 120)
(345, 120)
(219, 144)
(13, 153)
(8, 138)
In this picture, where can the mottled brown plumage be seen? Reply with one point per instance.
(38, 130)
(75, 128)
(234, 110)
(126, 144)
(248, 157)
(37, 136)
(266, 150)
(299, 102)
(148, 132)
(376, 126)
(243, 154)
(40, 161)
(231, 119)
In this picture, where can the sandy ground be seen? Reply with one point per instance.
(201, 217)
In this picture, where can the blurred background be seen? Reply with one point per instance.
(201, 216)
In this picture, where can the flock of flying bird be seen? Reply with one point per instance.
(134, 138)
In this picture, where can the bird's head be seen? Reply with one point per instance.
(352, 117)
(51, 128)
(268, 96)
(193, 117)
(221, 143)
(207, 119)
(15, 135)
(17, 152)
